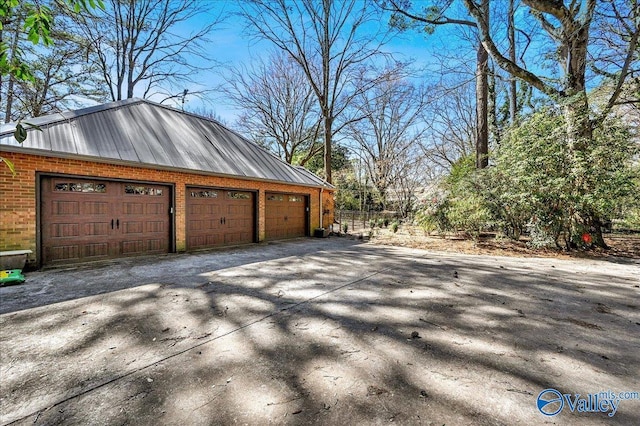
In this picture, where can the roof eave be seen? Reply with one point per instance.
(102, 160)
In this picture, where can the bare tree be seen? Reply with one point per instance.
(412, 175)
(391, 125)
(333, 43)
(138, 46)
(437, 13)
(452, 123)
(279, 107)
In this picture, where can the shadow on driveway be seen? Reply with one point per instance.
(185, 269)
(323, 332)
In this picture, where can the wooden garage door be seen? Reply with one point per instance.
(217, 217)
(84, 220)
(285, 216)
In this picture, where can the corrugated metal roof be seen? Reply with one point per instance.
(140, 132)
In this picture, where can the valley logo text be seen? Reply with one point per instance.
(551, 402)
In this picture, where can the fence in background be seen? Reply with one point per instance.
(359, 221)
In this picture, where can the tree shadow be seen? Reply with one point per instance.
(359, 334)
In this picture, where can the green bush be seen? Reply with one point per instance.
(345, 227)
(432, 215)
(543, 182)
(372, 223)
(462, 208)
(394, 227)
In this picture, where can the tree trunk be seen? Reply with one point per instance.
(579, 135)
(513, 96)
(492, 102)
(11, 83)
(482, 99)
(482, 103)
(328, 128)
(579, 125)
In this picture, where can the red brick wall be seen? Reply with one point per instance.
(18, 194)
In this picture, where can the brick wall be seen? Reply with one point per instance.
(18, 194)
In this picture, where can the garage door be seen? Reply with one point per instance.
(217, 217)
(286, 216)
(84, 220)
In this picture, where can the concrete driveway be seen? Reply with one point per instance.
(321, 331)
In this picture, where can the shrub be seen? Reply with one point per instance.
(345, 227)
(555, 189)
(385, 222)
(394, 227)
(432, 216)
(372, 223)
(462, 207)
(540, 182)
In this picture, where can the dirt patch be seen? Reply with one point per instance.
(621, 245)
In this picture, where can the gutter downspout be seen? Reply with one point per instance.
(320, 208)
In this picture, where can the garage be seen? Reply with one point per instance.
(217, 217)
(134, 177)
(84, 219)
(285, 215)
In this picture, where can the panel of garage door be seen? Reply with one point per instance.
(217, 217)
(285, 216)
(143, 219)
(83, 220)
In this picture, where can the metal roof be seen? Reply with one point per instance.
(143, 133)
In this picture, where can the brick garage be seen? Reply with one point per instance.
(83, 148)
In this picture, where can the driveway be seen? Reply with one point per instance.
(321, 331)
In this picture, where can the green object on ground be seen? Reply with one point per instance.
(11, 276)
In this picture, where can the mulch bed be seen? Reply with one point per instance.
(621, 245)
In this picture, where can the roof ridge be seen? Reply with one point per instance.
(63, 124)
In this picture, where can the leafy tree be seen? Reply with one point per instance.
(539, 185)
(59, 73)
(572, 32)
(38, 22)
(339, 161)
(349, 192)
(539, 181)
(460, 206)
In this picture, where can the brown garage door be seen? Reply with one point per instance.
(217, 217)
(83, 220)
(286, 216)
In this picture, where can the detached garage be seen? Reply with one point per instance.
(133, 178)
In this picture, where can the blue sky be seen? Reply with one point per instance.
(230, 46)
